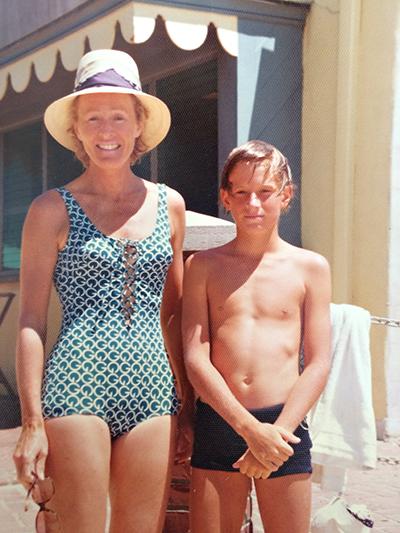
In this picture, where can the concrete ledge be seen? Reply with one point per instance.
(204, 231)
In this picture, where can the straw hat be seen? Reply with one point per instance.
(108, 71)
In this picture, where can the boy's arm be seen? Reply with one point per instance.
(317, 345)
(267, 442)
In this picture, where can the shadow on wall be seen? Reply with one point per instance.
(10, 414)
(270, 84)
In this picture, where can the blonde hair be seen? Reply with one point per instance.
(139, 149)
(258, 152)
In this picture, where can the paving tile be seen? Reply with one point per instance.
(378, 489)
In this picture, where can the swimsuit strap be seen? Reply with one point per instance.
(66, 197)
(162, 224)
(77, 217)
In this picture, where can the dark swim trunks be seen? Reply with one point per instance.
(217, 446)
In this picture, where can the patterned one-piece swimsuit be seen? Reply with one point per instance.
(109, 359)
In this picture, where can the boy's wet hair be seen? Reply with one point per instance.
(258, 152)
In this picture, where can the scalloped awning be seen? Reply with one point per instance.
(186, 28)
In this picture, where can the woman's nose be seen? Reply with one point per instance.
(105, 127)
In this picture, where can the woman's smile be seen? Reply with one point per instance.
(108, 147)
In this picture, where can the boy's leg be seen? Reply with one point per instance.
(285, 503)
(217, 501)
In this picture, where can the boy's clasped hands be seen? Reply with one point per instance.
(268, 450)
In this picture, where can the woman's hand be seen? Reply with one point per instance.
(30, 453)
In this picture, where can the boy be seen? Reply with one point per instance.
(248, 306)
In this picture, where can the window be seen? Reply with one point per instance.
(62, 166)
(188, 157)
(22, 181)
(24, 178)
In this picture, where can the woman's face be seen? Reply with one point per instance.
(107, 126)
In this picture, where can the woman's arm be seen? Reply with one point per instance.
(40, 238)
(171, 315)
(171, 308)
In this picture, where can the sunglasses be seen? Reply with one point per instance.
(41, 491)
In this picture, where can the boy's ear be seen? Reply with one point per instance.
(224, 196)
(287, 196)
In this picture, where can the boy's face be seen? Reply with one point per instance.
(255, 199)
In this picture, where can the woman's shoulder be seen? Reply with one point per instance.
(50, 200)
(48, 206)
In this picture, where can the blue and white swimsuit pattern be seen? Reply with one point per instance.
(109, 359)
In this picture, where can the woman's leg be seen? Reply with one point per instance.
(141, 463)
(217, 501)
(78, 463)
(285, 503)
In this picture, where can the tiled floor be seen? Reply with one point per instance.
(378, 489)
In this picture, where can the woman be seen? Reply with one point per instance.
(99, 415)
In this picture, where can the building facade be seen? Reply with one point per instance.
(297, 74)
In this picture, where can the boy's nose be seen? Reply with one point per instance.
(254, 199)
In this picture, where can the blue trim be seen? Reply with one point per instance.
(79, 17)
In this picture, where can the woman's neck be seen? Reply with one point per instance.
(114, 183)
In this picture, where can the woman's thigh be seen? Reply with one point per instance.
(217, 501)
(141, 464)
(285, 503)
(78, 462)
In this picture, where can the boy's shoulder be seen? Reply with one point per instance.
(307, 259)
(305, 254)
(206, 258)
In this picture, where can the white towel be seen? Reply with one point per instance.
(342, 423)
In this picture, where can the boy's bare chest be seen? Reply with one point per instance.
(266, 291)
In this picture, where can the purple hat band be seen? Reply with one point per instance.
(109, 78)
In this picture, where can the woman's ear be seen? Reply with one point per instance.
(75, 130)
(139, 127)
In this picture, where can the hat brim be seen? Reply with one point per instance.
(58, 116)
